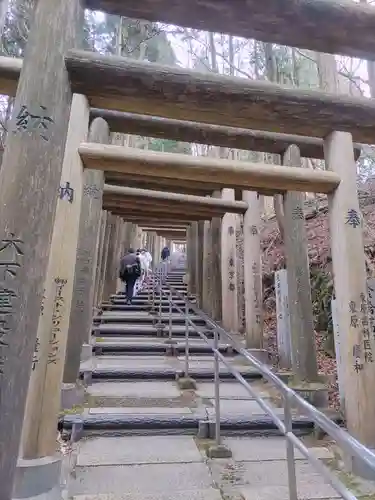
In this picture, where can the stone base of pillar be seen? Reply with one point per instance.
(186, 383)
(357, 467)
(315, 393)
(86, 352)
(219, 451)
(260, 354)
(72, 395)
(38, 479)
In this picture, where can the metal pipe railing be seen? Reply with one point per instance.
(346, 442)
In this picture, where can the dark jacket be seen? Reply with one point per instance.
(165, 253)
(129, 266)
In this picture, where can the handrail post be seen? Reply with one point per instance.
(217, 388)
(186, 341)
(170, 317)
(154, 284)
(186, 382)
(292, 481)
(160, 325)
(218, 450)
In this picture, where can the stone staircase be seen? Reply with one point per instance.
(144, 437)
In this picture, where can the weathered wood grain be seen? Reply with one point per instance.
(29, 182)
(134, 194)
(203, 133)
(351, 292)
(163, 213)
(227, 173)
(84, 278)
(124, 84)
(339, 27)
(193, 132)
(252, 262)
(43, 399)
(304, 362)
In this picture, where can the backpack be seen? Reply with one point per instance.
(131, 270)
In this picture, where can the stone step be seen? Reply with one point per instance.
(139, 299)
(142, 330)
(163, 373)
(175, 421)
(155, 348)
(144, 317)
(136, 307)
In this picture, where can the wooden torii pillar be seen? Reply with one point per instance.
(34, 154)
(88, 253)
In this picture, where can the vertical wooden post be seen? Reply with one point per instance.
(216, 282)
(108, 271)
(106, 245)
(43, 402)
(120, 253)
(87, 255)
(193, 270)
(29, 181)
(156, 256)
(253, 272)
(349, 271)
(199, 261)
(228, 267)
(207, 268)
(101, 244)
(139, 236)
(304, 361)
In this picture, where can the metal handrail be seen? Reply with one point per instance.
(347, 442)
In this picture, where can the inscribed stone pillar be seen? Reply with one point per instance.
(299, 289)
(228, 267)
(240, 273)
(349, 270)
(81, 314)
(253, 278)
(283, 332)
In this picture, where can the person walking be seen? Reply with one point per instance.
(140, 281)
(148, 261)
(130, 271)
(165, 253)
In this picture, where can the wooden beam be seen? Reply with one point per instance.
(228, 173)
(203, 133)
(174, 199)
(169, 235)
(165, 227)
(156, 221)
(160, 216)
(148, 182)
(125, 84)
(178, 130)
(344, 27)
(131, 214)
(144, 206)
